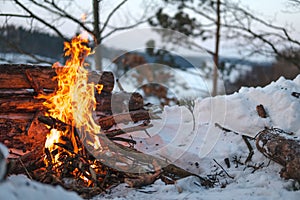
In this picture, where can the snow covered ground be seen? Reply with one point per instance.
(17, 58)
(173, 138)
(201, 147)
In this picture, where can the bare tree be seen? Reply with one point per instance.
(54, 15)
(252, 35)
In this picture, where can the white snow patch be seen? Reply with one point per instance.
(20, 187)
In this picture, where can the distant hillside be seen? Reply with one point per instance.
(182, 62)
(19, 40)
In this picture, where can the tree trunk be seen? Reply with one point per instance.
(98, 58)
(216, 54)
(97, 36)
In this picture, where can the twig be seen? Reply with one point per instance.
(251, 152)
(119, 85)
(223, 169)
(123, 140)
(225, 129)
(25, 169)
(260, 166)
(147, 133)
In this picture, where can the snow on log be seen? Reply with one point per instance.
(282, 148)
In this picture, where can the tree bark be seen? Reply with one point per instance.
(282, 148)
(216, 54)
(32, 76)
(108, 81)
(133, 116)
(119, 102)
(97, 35)
(14, 76)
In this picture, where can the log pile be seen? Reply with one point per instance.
(19, 107)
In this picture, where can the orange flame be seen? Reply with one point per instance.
(73, 101)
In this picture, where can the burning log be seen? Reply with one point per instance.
(282, 148)
(106, 103)
(29, 80)
(21, 135)
(108, 81)
(126, 117)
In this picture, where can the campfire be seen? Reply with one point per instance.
(60, 128)
(72, 104)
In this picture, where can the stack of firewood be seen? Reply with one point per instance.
(20, 109)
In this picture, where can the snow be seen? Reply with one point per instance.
(18, 58)
(173, 138)
(182, 84)
(20, 187)
(201, 148)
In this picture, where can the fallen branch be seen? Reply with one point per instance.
(251, 152)
(132, 116)
(225, 129)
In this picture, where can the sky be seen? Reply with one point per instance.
(276, 11)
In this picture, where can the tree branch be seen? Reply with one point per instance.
(41, 20)
(15, 15)
(111, 14)
(68, 16)
(123, 28)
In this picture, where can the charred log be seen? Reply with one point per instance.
(108, 81)
(119, 102)
(133, 116)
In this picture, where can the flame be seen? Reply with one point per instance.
(73, 101)
(83, 17)
(99, 88)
